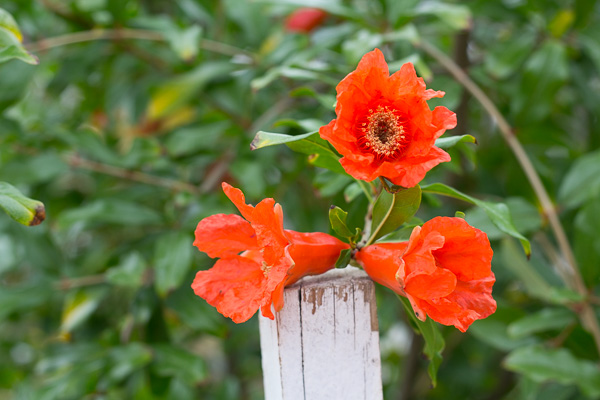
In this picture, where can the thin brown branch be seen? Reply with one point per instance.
(78, 162)
(128, 34)
(567, 263)
(70, 283)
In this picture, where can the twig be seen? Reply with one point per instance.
(78, 162)
(569, 266)
(122, 34)
(69, 283)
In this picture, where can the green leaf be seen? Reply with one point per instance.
(20, 208)
(582, 181)
(10, 41)
(344, 258)
(174, 94)
(185, 41)
(524, 214)
(457, 16)
(8, 23)
(542, 364)
(172, 260)
(434, 341)
(585, 241)
(534, 283)
(20, 300)
(497, 212)
(129, 273)
(337, 218)
(392, 210)
(447, 142)
(174, 361)
(111, 211)
(78, 307)
(310, 143)
(546, 319)
(127, 359)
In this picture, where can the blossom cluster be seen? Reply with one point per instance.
(384, 130)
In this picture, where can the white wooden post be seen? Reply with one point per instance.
(324, 343)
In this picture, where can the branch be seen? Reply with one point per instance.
(78, 162)
(567, 263)
(122, 34)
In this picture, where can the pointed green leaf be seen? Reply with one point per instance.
(434, 341)
(79, 306)
(447, 142)
(582, 181)
(542, 364)
(10, 40)
(344, 258)
(392, 210)
(310, 143)
(535, 285)
(497, 212)
(546, 319)
(337, 218)
(20, 208)
(8, 23)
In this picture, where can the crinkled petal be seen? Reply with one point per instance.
(267, 221)
(466, 251)
(236, 286)
(418, 258)
(447, 312)
(239, 200)
(224, 235)
(410, 171)
(440, 283)
(442, 119)
(405, 82)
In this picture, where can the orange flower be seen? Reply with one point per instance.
(257, 257)
(444, 270)
(304, 20)
(384, 126)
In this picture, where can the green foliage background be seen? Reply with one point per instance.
(125, 135)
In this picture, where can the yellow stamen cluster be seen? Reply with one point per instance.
(266, 268)
(384, 133)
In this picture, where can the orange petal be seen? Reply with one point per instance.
(236, 286)
(466, 251)
(418, 258)
(440, 283)
(223, 235)
(237, 197)
(267, 222)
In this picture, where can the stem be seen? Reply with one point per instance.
(569, 266)
(70, 283)
(365, 190)
(78, 162)
(120, 34)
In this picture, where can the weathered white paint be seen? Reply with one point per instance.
(324, 343)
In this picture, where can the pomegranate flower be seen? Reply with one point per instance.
(444, 270)
(257, 257)
(304, 20)
(384, 126)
